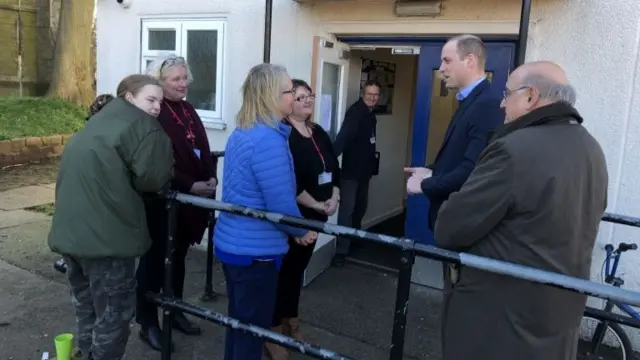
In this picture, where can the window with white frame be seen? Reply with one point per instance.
(200, 42)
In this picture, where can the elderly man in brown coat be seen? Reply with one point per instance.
(535, 198)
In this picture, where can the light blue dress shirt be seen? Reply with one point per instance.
(464, 92)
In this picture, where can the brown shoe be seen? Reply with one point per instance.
(274, 351)
(293, 328)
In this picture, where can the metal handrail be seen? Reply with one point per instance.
(217, 318)
(482, 263)
(409, 250)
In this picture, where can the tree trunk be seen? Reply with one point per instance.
(73, 64)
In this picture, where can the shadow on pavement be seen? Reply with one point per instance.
(348, 310)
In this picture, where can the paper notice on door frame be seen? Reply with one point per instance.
(326, 105)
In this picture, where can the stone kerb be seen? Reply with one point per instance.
(28, 149)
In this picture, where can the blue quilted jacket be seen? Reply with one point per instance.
(258, 173)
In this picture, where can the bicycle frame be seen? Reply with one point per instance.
(610, 278)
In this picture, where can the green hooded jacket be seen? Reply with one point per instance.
(121, 152)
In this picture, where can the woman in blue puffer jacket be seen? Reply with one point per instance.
(258, 173)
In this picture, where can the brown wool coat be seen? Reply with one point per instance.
(535, 198)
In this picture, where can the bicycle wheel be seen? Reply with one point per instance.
(615, 344)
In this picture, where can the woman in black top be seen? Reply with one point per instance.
(317, 176)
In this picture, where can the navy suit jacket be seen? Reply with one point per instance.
(475, 120)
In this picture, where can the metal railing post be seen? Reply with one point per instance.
(209, 294)
(402, 301)
(167, 290)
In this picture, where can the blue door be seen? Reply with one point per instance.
(499, 65)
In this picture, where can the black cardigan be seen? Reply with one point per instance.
(308, 167)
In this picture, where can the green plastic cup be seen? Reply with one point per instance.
(64, 344)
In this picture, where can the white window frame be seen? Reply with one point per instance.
(211, 119)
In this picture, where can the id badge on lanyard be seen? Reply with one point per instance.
(325, 177)
(197, 152)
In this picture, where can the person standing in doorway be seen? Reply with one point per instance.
(477, 116)
(535, 198)
(356, 142)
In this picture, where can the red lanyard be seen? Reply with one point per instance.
(191, 136)
(317, 150)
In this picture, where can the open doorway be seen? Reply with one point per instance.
(416, 111)
(410, 134)
(396, 69)
(396, 74)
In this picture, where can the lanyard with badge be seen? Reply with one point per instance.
(372, 139)
(191, 136)
(325, 177)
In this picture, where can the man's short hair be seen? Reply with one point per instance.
(471, 45)
(371, 83)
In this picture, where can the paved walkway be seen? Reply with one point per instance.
(13, 202)
(348, 310)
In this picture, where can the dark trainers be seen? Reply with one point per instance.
(338, 260)
(182, 324)
(152, 336)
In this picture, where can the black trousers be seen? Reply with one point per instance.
(150, 274)
(290, 281)
(354, 199)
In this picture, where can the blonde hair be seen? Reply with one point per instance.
(260, 96)
(160, 65)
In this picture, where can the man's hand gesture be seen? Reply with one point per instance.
(420, 172)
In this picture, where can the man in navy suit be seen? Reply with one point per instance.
(477, 116)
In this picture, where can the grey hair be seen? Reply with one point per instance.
(160, 65)
(551, 90)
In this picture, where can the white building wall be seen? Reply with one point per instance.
(597, 44)
(118, 43)
(595, 41)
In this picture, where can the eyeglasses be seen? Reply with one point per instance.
(506, 93)
(303, 98)
(171, 61)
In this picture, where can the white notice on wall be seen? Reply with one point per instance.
(326, 104)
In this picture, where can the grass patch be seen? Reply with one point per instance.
(47, 209)
(38, 116)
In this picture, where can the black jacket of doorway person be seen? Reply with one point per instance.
(477, 116)
(354, 143)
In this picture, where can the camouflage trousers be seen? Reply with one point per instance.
(103, 292)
